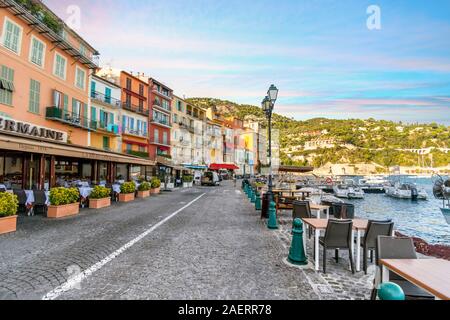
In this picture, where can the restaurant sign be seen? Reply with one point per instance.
(31, 130)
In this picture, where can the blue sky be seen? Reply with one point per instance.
(320, 54)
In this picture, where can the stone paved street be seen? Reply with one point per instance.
(216, 248)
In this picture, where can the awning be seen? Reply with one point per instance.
(226, 166)
(195, 167)
(16, 143)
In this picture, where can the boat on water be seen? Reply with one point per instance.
(441, 191)
(348, 190)
(406, 190)
(373, 184)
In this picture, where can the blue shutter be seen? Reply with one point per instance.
(93, 114)
(93, 84)
(107, 95)
(124, 123)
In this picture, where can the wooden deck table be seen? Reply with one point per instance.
(359, 225)
(432, 275)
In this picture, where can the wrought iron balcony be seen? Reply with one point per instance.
(106, 99)
(133, 108)
(113, 128)
(70, 118)
(135, 132)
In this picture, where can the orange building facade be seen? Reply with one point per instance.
(45, 122)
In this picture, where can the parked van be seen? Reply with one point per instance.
(210, 178)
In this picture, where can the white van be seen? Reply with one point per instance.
(210, 178)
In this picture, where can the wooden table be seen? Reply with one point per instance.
(319, 208)
(432, 275)
(359, 225)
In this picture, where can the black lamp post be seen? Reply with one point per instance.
(267, 105)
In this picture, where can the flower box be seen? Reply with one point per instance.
(99, 203)
(155, 190)
(56, 212)
(143, 194)
(126, 197)
(8, 224)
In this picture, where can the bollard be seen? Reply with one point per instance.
(258, 204)
(390, 291)
(253, 197)
(245, 189)
(272, 223)
(297, 253)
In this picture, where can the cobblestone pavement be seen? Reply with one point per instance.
(217, 248)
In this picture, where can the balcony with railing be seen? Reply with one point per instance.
(140, 154)
(136, 109)
(108, 127)
(161, 142)
(161, 121)
(100, 97)
(70, 118)
(135, 132)
(186, 126)
(157, 104)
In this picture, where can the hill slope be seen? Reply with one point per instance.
(349, 141)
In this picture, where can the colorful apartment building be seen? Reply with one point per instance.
(160, 105)
(106, 111)
(45, 122)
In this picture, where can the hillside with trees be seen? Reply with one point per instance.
(385, 143)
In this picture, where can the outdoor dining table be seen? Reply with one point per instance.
(30, 197)
(359, 225)
(432, 275)
(85, 192)
(320, 208)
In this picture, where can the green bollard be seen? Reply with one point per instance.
(390, 291)
(258, 204)
(297, 253)
(253, 197)
(272, 223)
(245, 188)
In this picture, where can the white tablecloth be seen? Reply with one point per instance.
(116, 188)
(30, 197)
(85, 192)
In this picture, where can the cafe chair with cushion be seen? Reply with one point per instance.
(338, 235)
(22, 198)
(40, 202)
(397, 248)
(302, 210)
(369, 241)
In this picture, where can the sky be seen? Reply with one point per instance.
(321, 54)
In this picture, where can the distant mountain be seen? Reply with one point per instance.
(320, 141)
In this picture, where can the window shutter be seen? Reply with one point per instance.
(66, 103)
(93, 114)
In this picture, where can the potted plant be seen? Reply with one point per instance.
(144, 190)
(127, 191)
(8, 212)
(188, 181)
(63, 202)
(100, 198)
(155, 186)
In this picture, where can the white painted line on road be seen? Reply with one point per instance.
(73, 282)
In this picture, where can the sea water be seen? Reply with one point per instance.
(421, 218)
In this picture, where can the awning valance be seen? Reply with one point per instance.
(15, 143)
(226, 166)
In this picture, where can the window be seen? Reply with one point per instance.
(156, 136)
(6, 85)
(142, 149)
(60, 66)
(141, 89)
(128, 100)
(129, 147)
(93, 114)
(129, 84)
(64, 35)
(83, 50)
(165, 139)
(80, 78)
(175, 118)
(37, 52)
(106, 143)
(76, 107)
(35, 94)
(180, 106)
(166, 105)
(12, 36)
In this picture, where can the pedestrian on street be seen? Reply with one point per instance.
(234, 179)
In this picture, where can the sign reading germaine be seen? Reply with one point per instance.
(31, 130)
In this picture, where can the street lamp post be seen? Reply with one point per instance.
(268, 105)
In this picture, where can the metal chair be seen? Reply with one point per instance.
(22, 198)
(369, 241)
(338, 235)
(397, 248)
(40, 200)
(302, 210)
